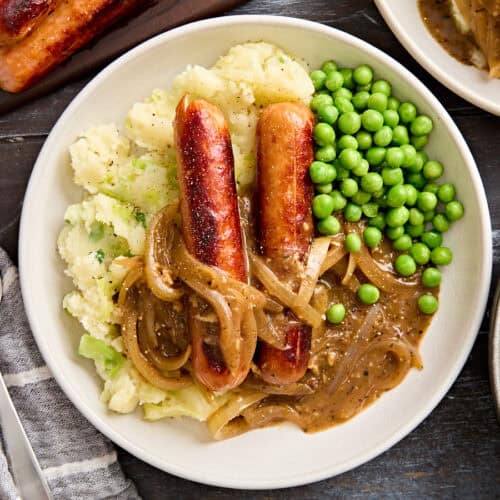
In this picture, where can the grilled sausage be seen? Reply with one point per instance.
(70, 26)
(210, 224)
(19, 17)
(285, 152)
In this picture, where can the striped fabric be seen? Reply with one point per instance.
(78, 462)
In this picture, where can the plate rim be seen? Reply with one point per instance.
(315, 474)
(428, 64)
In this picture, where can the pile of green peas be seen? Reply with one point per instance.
(370, 163)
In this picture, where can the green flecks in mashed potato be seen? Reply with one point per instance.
(127, 177)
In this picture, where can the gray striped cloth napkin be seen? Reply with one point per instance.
(78, 462)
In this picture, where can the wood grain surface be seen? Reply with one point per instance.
(455, 452)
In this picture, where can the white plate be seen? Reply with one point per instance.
(468, 82)
(279, 456)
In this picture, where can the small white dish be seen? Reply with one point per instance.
(468, 82)
(279, 456)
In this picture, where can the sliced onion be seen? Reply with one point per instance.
(276, 288)
(232, 409)
(315, 259)
(351, 267)
(135, 274)
(294, 389)
(334, 255)
(263, 415)
(141, 363)
(268, 333)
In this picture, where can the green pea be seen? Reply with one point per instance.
(349, 123)
(378, 102)
(420, 253)
(364, 139)
(324, 134)
(328, 113)
(342, 172)
(339, 201)
(382, 86)
(349, 187)
(391, 117)
(342, 92)
(329, 225)
(334, 80)
(375, 156)
(446, 192)
(393, 233)
(392, 176)
(353, 243)
(360, 198)
(394, 157)
(322, 173)
(420, 160)
(419, 142)
(421, 125)
(372, 120)
(441, 256)
(428, 304)
(396, 196)
(352, 212)
(415, 230)
(416, 217)
(397, 216)
(432, 239)
(407, 112)
(335, 314)
(362, 75)
(431, 277)
(432, 170)
(400, 135)
(364, 88)
(393, 104)
(350, 158)
(362, 168)
(372, 182)
(321, 100)
(368, 293)
(403, 243)
(318, 78)
(411, 195)
(454, 210)
(329, 66)
(426, 201)
(405, 265)
(431, 187)
(372, 237)
(326, 153)
(324, 188)
(360, 100)
(441, 223)
(416, 179)
(347, 142)
(322, 206)
(371, 211)
(343, 104)
(429, 215)
(347, 74)
(410, 155)
(377, 220)
(383, 137)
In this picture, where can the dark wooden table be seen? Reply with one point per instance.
(455, 452)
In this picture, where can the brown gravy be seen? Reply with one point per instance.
(440, 23)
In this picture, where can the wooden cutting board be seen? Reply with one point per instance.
(156, 16)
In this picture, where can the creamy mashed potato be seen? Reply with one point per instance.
(127, 176)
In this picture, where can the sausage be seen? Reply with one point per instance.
(19, 17)
(71, 25)
(285, 152)
(210, 224)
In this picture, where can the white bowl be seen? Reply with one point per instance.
(280, 456)
(470, 83)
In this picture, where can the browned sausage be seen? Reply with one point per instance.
(285, 152)
(19, 17)
(210, 223)
(70, 26)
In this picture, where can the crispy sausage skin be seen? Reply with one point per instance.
(285, 152)
(70, 26)
(210, 223)
(19, 17)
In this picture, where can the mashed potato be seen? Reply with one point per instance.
(128, 176)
